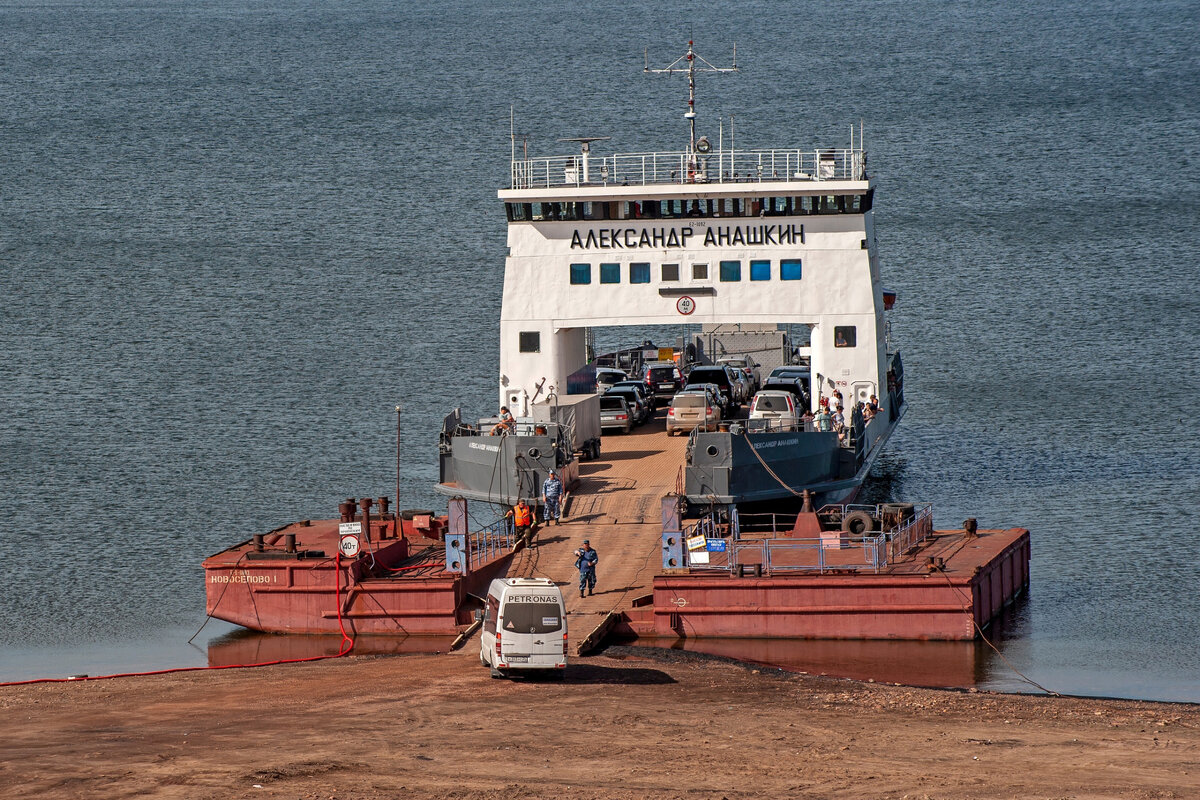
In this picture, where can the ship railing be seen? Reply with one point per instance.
(491, 541)
(777, 425)
(912, 532)
(728, 166)
(759, 544)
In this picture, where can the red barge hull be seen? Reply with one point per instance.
(293, 580)
(955, 587)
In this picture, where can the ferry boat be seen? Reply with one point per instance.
(745, 245)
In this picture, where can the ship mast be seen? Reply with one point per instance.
(691, 69)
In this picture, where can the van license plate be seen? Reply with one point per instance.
(518, 659)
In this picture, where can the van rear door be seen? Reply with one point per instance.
(532, 629)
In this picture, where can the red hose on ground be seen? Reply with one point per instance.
(346, 648)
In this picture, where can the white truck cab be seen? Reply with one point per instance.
(524, 628)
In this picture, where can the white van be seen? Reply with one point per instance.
(524, 628)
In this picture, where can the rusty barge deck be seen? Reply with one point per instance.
(947, 588)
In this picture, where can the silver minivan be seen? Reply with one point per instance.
(524, 628)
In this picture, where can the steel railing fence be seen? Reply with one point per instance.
(491, 541)
(730, 166)
(757, 540)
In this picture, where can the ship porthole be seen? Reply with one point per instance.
(534, 452)
(712, 450)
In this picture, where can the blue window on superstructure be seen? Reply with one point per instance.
(610, 273)
(760, 270)
(789, 269)
(731, 271)
(639, 273)
(581, 274)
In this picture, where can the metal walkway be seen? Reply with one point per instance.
(618, 508)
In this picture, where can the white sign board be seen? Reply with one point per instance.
(349, 529)
(697, 556)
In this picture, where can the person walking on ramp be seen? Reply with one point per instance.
(585, 561)
(552, 492)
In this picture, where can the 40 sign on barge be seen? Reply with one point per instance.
(385, 573)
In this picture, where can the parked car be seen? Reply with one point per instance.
(725, 381)
(607, 377)
(714, 392)
(637, 406)
(664, 378)
(802, 374)
(643, 392)
(748, 366)
(778, 408)
(614, 413)
(742, 385)
(693, 408)
(794, 386)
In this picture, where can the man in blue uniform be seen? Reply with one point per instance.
(585, 561)
(552, 491)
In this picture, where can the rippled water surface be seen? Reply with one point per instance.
(234, 236)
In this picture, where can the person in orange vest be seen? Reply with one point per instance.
(522, 517)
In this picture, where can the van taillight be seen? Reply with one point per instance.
(670, 411)
(708, 410)
(564, 647)
(497, 643)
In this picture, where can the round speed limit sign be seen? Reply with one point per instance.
(349, 545)
(685, 305)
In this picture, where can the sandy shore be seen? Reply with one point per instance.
(681, 726)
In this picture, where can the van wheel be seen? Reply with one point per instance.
(497, 673)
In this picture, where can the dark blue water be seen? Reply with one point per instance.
(234, 236)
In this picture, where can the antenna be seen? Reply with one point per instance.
(691, 69)
(585, 143)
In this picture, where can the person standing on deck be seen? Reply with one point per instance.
(522, 517)
(552, 492)
(585, 561)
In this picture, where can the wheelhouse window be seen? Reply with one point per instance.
(529, 341)
(760, 270)
(639, 272)
(670, 272)
(731, 271)
(845, 336)
(778, 206)
(727, 207)
(699, 272)
(581, 274)
(610, 273)
(789, 269)
(595, 210)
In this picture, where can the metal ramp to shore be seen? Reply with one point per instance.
(617, 507)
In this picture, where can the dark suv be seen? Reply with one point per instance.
(719, 375)
(664, 378)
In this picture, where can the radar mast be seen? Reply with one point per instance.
(691, 69)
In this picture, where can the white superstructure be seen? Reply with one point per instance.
(751, 237)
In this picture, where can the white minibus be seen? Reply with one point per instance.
(524, 628)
